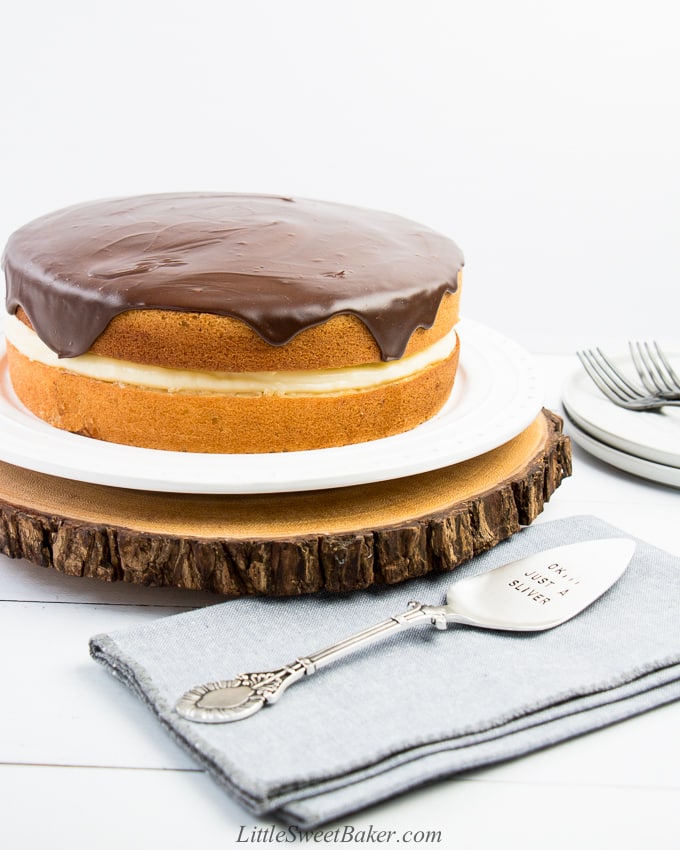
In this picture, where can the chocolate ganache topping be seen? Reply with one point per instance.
(280, 265)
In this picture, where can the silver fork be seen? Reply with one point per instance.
(654, 370)
(618, 388)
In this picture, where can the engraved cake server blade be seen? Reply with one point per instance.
(532, 594)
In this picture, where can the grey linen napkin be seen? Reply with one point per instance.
(423, 704)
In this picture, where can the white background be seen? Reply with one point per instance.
(542, 136)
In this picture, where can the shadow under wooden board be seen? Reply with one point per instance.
(286, 543)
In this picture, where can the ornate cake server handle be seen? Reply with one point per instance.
(532, 594)
(238, 698)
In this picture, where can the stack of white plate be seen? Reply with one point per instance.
(646, 444)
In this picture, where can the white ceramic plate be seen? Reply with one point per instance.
(497, 395)
(651, 435)
(628, 463)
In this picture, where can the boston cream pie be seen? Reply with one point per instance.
(231, 323)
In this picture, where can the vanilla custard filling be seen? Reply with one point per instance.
(294, 382)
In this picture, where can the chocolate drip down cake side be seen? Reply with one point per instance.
(237, 325)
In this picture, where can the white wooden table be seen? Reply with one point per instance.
(83, 764)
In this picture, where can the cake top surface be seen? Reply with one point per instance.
(280, 265)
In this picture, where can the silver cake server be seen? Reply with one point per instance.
(532, 594)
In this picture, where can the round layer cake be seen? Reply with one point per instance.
(231, 323)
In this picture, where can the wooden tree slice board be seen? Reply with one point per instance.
(289, 543)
